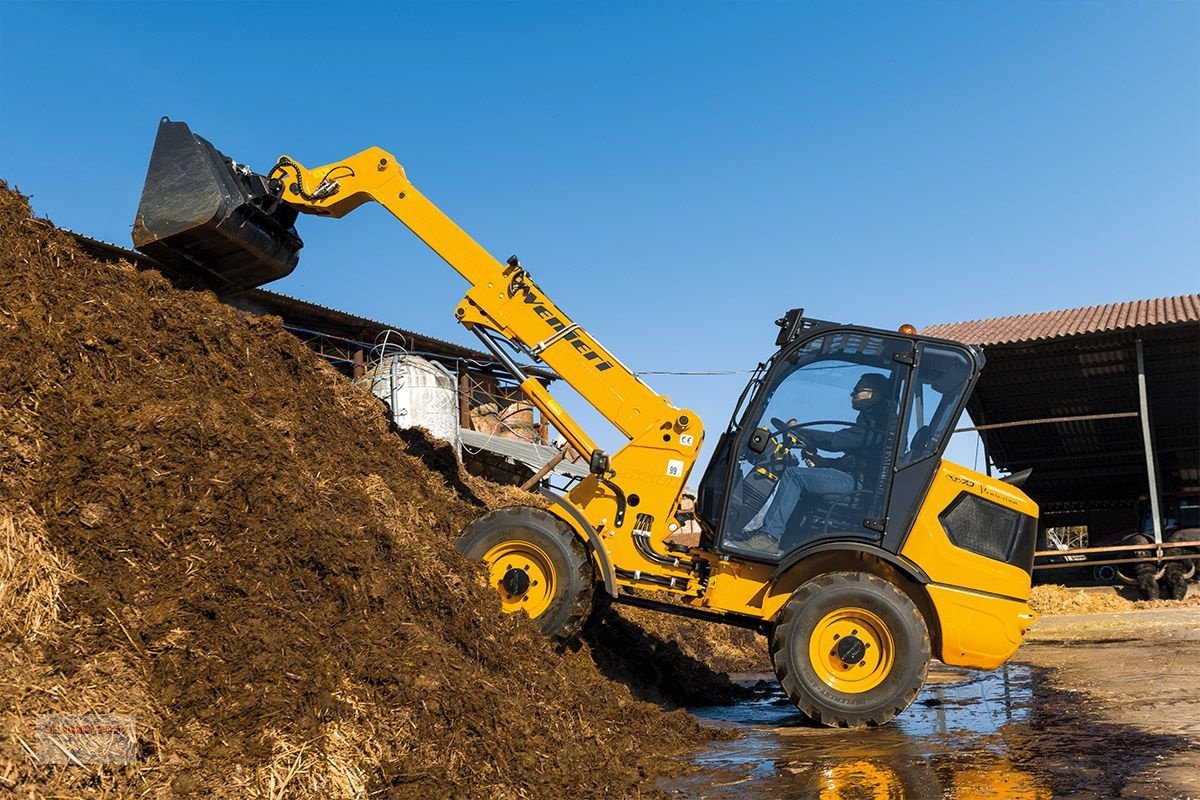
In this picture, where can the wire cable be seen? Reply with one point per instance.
(711, 372)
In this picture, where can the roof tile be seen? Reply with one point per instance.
(1072, 321)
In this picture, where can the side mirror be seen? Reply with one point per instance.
(759, 440)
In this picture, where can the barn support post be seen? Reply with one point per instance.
(983, 443)
(1144, 408)
(464, 397)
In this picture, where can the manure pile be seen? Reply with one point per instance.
(204, 525)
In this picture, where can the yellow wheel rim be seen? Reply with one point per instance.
(523, 575)
(852, 650)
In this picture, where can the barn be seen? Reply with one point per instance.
(1102, 403)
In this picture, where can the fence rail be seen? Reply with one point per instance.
(1157, 549)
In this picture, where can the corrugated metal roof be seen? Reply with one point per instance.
(1072, 321)
(531, 454)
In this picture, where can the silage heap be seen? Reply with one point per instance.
(206, 526)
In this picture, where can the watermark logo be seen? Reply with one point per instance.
(81, 739)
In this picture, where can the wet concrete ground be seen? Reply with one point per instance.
(1093, 706)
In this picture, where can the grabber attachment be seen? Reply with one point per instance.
(205, 215)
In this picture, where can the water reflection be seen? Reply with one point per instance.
(859, 778)
(950, 745)
(862, 779)
(998, 780)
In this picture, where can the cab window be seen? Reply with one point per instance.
(943, 374)
(827, 428)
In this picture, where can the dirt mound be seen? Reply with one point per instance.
(218, 533)
(1053, 600)
(658, 665)
(723, 648)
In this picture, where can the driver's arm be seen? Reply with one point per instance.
(853, 437)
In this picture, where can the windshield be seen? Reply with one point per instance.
(827, 427)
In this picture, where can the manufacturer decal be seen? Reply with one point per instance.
(539, 308)
(999, 495)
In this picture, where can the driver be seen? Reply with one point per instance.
(860, 443)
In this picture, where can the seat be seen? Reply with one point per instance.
(919, 447)
(825, 514)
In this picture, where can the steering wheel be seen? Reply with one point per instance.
(784, 429)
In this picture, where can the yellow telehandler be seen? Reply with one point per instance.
(830, 521)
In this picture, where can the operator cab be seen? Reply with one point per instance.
(838, 440)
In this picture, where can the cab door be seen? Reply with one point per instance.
(810, 459)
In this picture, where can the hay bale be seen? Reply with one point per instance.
(513, 421)
(516, 421)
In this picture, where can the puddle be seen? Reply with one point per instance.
(969, 735)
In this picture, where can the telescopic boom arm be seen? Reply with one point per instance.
(205, 214)
(503, 300)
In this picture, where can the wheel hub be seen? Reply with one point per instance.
(851, 649)
(515, 581)
(523, 574)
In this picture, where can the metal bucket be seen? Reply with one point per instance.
(206, 217)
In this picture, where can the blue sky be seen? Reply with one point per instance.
(674, 174)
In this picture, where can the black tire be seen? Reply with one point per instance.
(888, 686)
(570, 600)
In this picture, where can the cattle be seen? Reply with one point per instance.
(1166, 579)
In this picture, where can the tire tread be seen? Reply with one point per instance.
(791, 685)
(579, 567)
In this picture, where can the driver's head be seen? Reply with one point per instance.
(869, 391)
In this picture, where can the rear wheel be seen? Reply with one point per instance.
(537, 565)
(850, 649)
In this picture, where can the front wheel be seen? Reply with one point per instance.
(850, 649)
(537, 565)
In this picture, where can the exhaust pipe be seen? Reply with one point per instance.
(205, 216)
